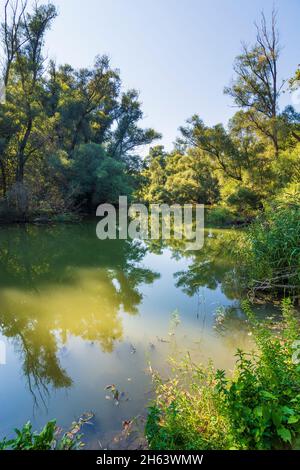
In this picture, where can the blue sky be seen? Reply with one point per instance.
(177, 53)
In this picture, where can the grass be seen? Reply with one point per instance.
(255, 408)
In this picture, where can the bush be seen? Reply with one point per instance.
(258, 407)
(245, 201)
(220, 216)
(288, 196)
(96, 178)
(48, 439)
(185, 415)
(271, 251)
(262, 401)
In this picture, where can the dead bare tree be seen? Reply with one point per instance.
(256, 88)
(11, 32)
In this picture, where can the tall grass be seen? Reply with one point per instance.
(270, 254)
(257, 407)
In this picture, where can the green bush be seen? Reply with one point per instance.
(245, 201)
(271, 252)
(48, 439)
(185, 414)
(96, 177)
(219, 216)
(258, 407)
(262, 401)
(288, 196)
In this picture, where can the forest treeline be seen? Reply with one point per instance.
(70, 138)
(252, 160)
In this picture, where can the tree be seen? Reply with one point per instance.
(95, 177)
(11, 33)
(191, 179)
(24, 90)
(128, 135)
(291, 120)
(256, 88)
(84, 100)
(215, 142)
(153, 177)
(54, 114)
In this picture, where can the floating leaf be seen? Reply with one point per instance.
(126, 425)
(110, 387)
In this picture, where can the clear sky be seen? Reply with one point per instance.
(177, 53)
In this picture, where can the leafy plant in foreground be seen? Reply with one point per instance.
(262, 400)
(271, 252)
(48, 439)
(258, 407)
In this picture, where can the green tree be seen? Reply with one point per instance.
(256, 88)
(191, 179)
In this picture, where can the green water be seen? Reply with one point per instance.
(78, 314)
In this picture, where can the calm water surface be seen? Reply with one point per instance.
(78, 314)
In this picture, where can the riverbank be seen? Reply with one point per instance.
(256, 407)
(201, 408)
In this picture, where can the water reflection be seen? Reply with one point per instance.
(83, 313)
(56, 282)
(210, 267)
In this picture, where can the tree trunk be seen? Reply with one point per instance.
(3, 178)
(20, 170)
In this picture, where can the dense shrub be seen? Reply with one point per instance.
(219, 216)
(185, 414)
(258, 407)
(48, 439)
(245, 201)
(262, 400)
(271, 251)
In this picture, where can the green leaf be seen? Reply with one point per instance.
(285, 434)
(293, 419)
(258, 411)
(277, 418)
(286, 410)
(267, 394)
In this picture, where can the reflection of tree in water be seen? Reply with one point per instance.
(210, 267)
(230, 319)
(61, 281)
(39, 351)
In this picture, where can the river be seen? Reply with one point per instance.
(78, 314)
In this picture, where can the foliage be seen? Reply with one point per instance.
(178, 178)
(289, 196)
(245, 201)
(185, 415)
(258, 407)
(190, 179)
(262, 401)
(69, 138)
(271, 251)
(246, 164)
(65, 134)
(96, 177)
(220, 216)
(47, 439)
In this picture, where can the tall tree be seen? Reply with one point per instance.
(11, 33)
(23, 41)
(256, 88)
(127, 135)
(214, 141)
